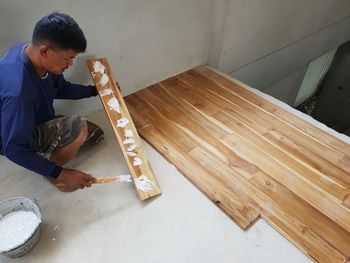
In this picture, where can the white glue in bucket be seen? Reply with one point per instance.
(20, 221)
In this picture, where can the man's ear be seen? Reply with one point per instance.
(43, 51)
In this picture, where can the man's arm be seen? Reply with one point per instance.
(66, 90)
(18, 125)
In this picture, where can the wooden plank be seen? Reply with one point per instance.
(202, 175)
(320, 181)
(291, 180)
(315, 154)
(198, 135)
(229, 198)
(220, 142)
(141, 171)
(233, 121)
(279, 112)
(285, 176)
(165, 137)
(325, 152)
(233, 124)
(315, 234)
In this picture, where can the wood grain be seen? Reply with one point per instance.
(113, 116)
(250, 157)
(281, 113)
(166, 137)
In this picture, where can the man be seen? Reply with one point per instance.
(30, 79)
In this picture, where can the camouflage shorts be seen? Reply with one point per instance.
(63, 130)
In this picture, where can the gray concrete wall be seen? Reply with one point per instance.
(144, 41)
(268, 44)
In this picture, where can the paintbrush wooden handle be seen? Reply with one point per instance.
(60, 185)
(100, 180)
(126, 178)
(107, 179)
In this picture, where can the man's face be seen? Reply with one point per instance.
(56, 61)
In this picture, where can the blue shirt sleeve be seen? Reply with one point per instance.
(67, 90)
(18, 125)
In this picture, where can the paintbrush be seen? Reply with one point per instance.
(107, 179)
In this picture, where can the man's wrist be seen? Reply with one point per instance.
(56, 172)
(93, 91)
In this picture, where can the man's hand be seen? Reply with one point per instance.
(70, 180)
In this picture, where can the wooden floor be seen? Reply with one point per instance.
(252, 158)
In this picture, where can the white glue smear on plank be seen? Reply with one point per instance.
(103, 80)
(122, 122)
(131, 147)
(98, 67)
(16, 227)
(105, 92)
(129, 141)
(137, 161)
(128, 133)
(124, 178)
(131, 154)
(144, 184)
(114, 104)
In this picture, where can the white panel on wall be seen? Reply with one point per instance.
(314, 76)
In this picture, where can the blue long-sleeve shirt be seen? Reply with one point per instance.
(26, 100)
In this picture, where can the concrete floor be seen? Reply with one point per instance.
(108, 223)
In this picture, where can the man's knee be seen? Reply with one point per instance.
(95, 134)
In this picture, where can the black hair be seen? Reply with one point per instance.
(60, 31)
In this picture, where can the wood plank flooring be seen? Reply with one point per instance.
(252, 158)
